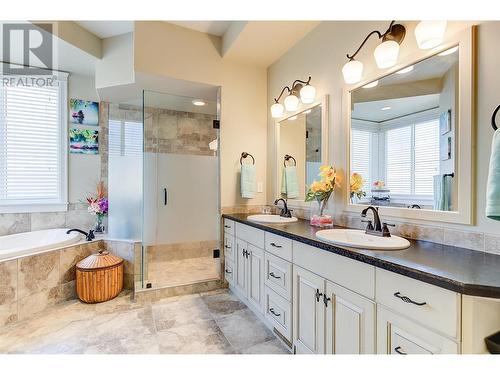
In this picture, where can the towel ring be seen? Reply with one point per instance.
(244, 155)
(287, 158)
(493, 118)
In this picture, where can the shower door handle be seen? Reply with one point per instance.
(165, 196)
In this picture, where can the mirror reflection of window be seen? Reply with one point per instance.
(300, 137)
(403, 135)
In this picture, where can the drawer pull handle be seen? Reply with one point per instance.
(408, 300)
(227, 247)
(318, 295)
(326, 299)
(274, 245)
(271, 310)
(273, 275)
(227, 271)
(227, 226)
(398, 350)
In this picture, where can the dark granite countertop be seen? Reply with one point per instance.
(461, 270)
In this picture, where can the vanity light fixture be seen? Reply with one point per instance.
(406, 70)
(299, 88)
(198, 102)
(448, 51)
(386, 54)
(429, 34)
(371, 84)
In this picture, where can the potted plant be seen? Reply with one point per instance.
(98, 205)
(320, 191)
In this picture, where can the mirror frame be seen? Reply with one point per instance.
(324, 102)
(465, 125)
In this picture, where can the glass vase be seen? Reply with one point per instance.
(99, 227)
(319, 218)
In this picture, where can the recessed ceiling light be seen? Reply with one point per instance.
(308, 111)
(198, 102)
(386, 108)
(449, 51)
(405, 70)
(370, 85)
(292, 118)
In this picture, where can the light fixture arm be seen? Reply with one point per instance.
(294, 88)
(394, 32)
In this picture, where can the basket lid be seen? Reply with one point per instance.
(102, 259)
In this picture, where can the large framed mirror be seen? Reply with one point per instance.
(410, 137)
(301, 148)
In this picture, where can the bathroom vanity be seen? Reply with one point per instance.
(321, 298)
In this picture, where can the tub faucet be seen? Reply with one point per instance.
(88, 236)
(378, 228)
(285, 212)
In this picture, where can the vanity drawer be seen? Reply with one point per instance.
(229, 227)
(229, 271)
(279, 246)
(229, 246)
(427, 304)
(278, 312)
(351, 274)
(279, 275)
(249, 234)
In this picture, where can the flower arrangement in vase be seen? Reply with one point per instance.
(379, 184)
(356, 185)
(320, 191)
(98, 205)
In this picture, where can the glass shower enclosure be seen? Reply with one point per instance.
(180, 230)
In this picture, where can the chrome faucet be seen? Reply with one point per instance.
(285, 212)
(377, 228)
(88, 236)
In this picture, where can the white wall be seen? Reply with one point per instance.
(83, 170)
(321, 54)
(117, 64)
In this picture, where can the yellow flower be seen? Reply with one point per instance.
(327, 172)
(316, 187)
(356, 182)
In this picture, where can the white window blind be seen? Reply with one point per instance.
(33, 146)
(361, 152)
(398, 160)
(125, 138)
(426, 156)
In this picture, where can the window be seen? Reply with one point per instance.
(412, 158)
(33, 154)
(361, 154)
(125, 138)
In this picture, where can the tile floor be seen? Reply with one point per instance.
(183, 271)
(212, 323)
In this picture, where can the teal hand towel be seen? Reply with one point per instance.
(248, 181)
(493, 186)
(290, 183)
(442, 192)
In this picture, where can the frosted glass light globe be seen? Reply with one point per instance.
(307, 94)
(386, 54)
(291, 103)
(429, 34)
(352, 71)
(277, 110)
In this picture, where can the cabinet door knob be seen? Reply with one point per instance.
(408, 300)
(273, 275)
(227, 271)
(318, 295)
(326, 299)
(271, 310)
(398, 350)
(274, 245)
(227, 247)
(227, 226)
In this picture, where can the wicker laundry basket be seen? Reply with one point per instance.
(99, 277)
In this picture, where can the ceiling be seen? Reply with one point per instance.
(107, 29)
(217, 28)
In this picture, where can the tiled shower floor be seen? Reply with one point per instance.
(215, 322)
(184, 271)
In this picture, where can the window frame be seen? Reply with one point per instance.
(50, 205)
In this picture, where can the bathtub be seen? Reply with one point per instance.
(29, 243)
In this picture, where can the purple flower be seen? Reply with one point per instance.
(103, 205)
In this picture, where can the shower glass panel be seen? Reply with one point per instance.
(180, 185)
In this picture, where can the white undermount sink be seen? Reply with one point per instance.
(271, 219)
(359, 239)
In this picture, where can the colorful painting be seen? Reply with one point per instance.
(84, 112)
(83, 141)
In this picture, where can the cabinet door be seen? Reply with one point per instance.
(308, 313)
(398, 335)
(240, 271)
(350, 322)
(255, 272)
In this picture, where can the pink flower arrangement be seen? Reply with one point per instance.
(98, 204)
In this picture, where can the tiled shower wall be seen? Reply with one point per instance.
(76, 216)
